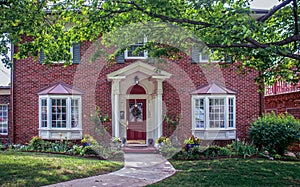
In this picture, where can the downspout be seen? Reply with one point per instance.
(12, 94)
(261, 95)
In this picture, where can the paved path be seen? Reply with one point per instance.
(139, 170)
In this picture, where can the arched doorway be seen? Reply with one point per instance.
(136, 116)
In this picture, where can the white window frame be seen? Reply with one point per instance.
(206, 60)
(63, 61)
(2, 123)
(137, 57)
(206, 113)
(68, 111)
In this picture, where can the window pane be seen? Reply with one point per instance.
(3, 119)
(230, 112)
(133, 51)
(199, 113)
(74, 113)
(44, 113)
(59, 115)
(216, 113)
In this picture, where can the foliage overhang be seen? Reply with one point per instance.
(269, 44)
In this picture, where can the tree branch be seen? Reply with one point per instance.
(296, 19)
(272, 11)
(166, 18)
(5, 3)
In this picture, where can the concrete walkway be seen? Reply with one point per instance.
(139, 170)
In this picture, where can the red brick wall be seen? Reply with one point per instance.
(30, 77)
(4, 99)
(288, 102)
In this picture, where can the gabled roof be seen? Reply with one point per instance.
(139, 66)
(60, 88)
(213, 88)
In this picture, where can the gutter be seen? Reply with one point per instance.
(12, 94)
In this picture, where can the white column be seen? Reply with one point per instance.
(115, 107)
(158, 106)
(116, 116)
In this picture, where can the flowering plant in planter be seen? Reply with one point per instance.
(192, 142)
(160, 139)
(88, 140)
(116, 140)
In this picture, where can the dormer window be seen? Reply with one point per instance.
(133, 53)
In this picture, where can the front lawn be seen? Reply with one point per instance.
(36, 169)
(234, 172)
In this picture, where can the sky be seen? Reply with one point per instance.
(261, 4)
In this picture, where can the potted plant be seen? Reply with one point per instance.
(116, 141)
(192, 142)
(87, 140)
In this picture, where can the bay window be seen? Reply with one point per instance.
(60, 114)
(213, 116)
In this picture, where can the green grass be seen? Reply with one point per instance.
(234, 172)
(36, 169)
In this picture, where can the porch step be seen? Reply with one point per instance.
(139, 149)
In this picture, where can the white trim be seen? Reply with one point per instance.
(137, 57)
(201, 60)
(63, 61)
(7, 108)
(208, 132)
(50, 132)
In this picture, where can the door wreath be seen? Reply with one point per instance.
(136, 112)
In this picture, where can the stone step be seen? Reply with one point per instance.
(139, 149)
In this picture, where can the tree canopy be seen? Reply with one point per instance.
(267, 41)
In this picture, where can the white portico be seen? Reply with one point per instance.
(137, 101)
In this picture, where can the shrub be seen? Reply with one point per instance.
(212, 151)
(275, 132)
(225, 151)
(37, 143)
(243, 148)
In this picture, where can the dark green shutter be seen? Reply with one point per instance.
(120, 58)
(195, 53)
(42, 56)
(76, 53)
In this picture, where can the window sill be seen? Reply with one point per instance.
(135, 58)
(57, 134)
(215, 134)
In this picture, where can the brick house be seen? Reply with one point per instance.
(283, 97)
(212, 102)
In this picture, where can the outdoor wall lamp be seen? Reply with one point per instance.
(136, 80)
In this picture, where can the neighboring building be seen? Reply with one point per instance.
(283, 97)
(5, 116)
(212, 102)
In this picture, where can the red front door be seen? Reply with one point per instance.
(136, 119)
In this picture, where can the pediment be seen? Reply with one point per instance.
(139, 66)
